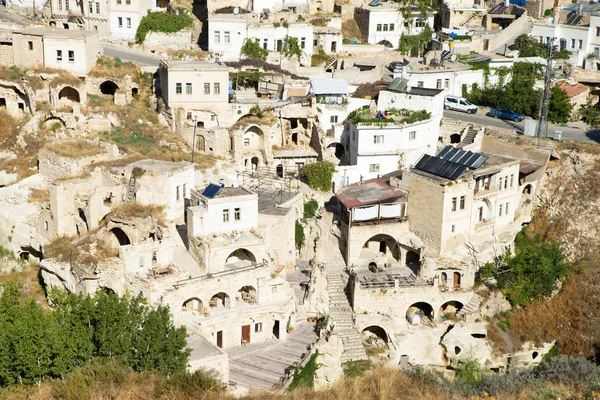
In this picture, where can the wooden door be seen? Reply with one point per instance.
(457, 280)
(245, 334)
(220, 339)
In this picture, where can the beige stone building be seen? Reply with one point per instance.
(81, 15)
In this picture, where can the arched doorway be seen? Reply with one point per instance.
(83, 218)
(69, 93)
(255, 162)
(527, 189)
(455, 138)
(386, 43)
(383, 247)
(134, 92)
(247, 294)
(449, 309)
(420, 313)
(337, 149)
(240, 258)
(280, 171)
(375, 339)
(253, 139)
(444, 279)
(220, 300)
(108, 88)
(193, 304)
(413, 261)
(457, 280)
(119, 238)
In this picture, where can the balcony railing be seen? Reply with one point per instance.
(184, 282)
(484, 224)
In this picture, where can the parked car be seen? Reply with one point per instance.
(459, 104)
(504, 113)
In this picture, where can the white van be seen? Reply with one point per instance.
(459, 104)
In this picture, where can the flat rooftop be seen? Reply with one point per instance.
(161, 166)
(58, 33)
(269, 202)
(194, 65)
(368, 192)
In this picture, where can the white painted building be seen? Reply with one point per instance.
(227, 32)
(450, 77)
(384, 24)
(229, 209)
(581, 38)
(125, 16)
(72, 51)
(296, 6)
(401, 95)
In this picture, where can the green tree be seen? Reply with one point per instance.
(528, 46)
(530, 273)
(299, 234)
(559, 109)
(291, 48)
(252, 49)
(590, 113)
(415, 44)
(160, 346)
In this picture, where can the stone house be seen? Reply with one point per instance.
(462, 199)
(81, 15)
(383, 23)
(72, 51)
(124, 16)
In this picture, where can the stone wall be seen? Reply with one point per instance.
(54, 166)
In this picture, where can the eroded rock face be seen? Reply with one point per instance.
(494, 304)
(58, 275)
(469, 341)
(329, 360)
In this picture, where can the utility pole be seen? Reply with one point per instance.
(194, 138)
(542, 127)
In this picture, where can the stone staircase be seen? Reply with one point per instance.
(263, 365)
(469, 137)
(469, 20)
(131, 188)
(340, 315)
(472, 307)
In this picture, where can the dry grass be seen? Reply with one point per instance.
(28, 279)
(65, 79)
(134, 209)
(107, 67)
(75, 148)
(267, 119)
(88, 251)
(497, 339)
(191, 54)
(39, 196)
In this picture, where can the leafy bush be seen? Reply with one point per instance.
(530, 273)
(319, 175)
(256, 110)
(162, 22)
(559, 109)
(310, 208)
(299, 234)
(252, 49)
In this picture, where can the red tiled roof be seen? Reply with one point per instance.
(368, 192)
(572, 90)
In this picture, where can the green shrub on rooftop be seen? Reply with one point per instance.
(162, 22)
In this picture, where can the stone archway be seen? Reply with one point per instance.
(118, 238)
(382, 247)
(69, 93)
(108, 88)
(253, 139)
(220, 300)
(420, 313)
(193, 304)
(247, 294)
(449, 309)
(528, 189)
(240, 258)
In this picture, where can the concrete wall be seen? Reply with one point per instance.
(85, 50)
(26, 55)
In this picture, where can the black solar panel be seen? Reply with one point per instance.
(211, 190)
(571, 18)
(437, 166)
(398, 84)
(462, 157)
(445, 54)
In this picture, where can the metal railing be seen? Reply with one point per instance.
(184, 282)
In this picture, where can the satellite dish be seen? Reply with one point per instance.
(236, 11)
(236, 183)
(551, 21)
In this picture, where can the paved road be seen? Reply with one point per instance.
(135, 56)
(568, 133)
(7, 16)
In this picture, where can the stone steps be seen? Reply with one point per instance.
(472, 307)
(262, 367)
